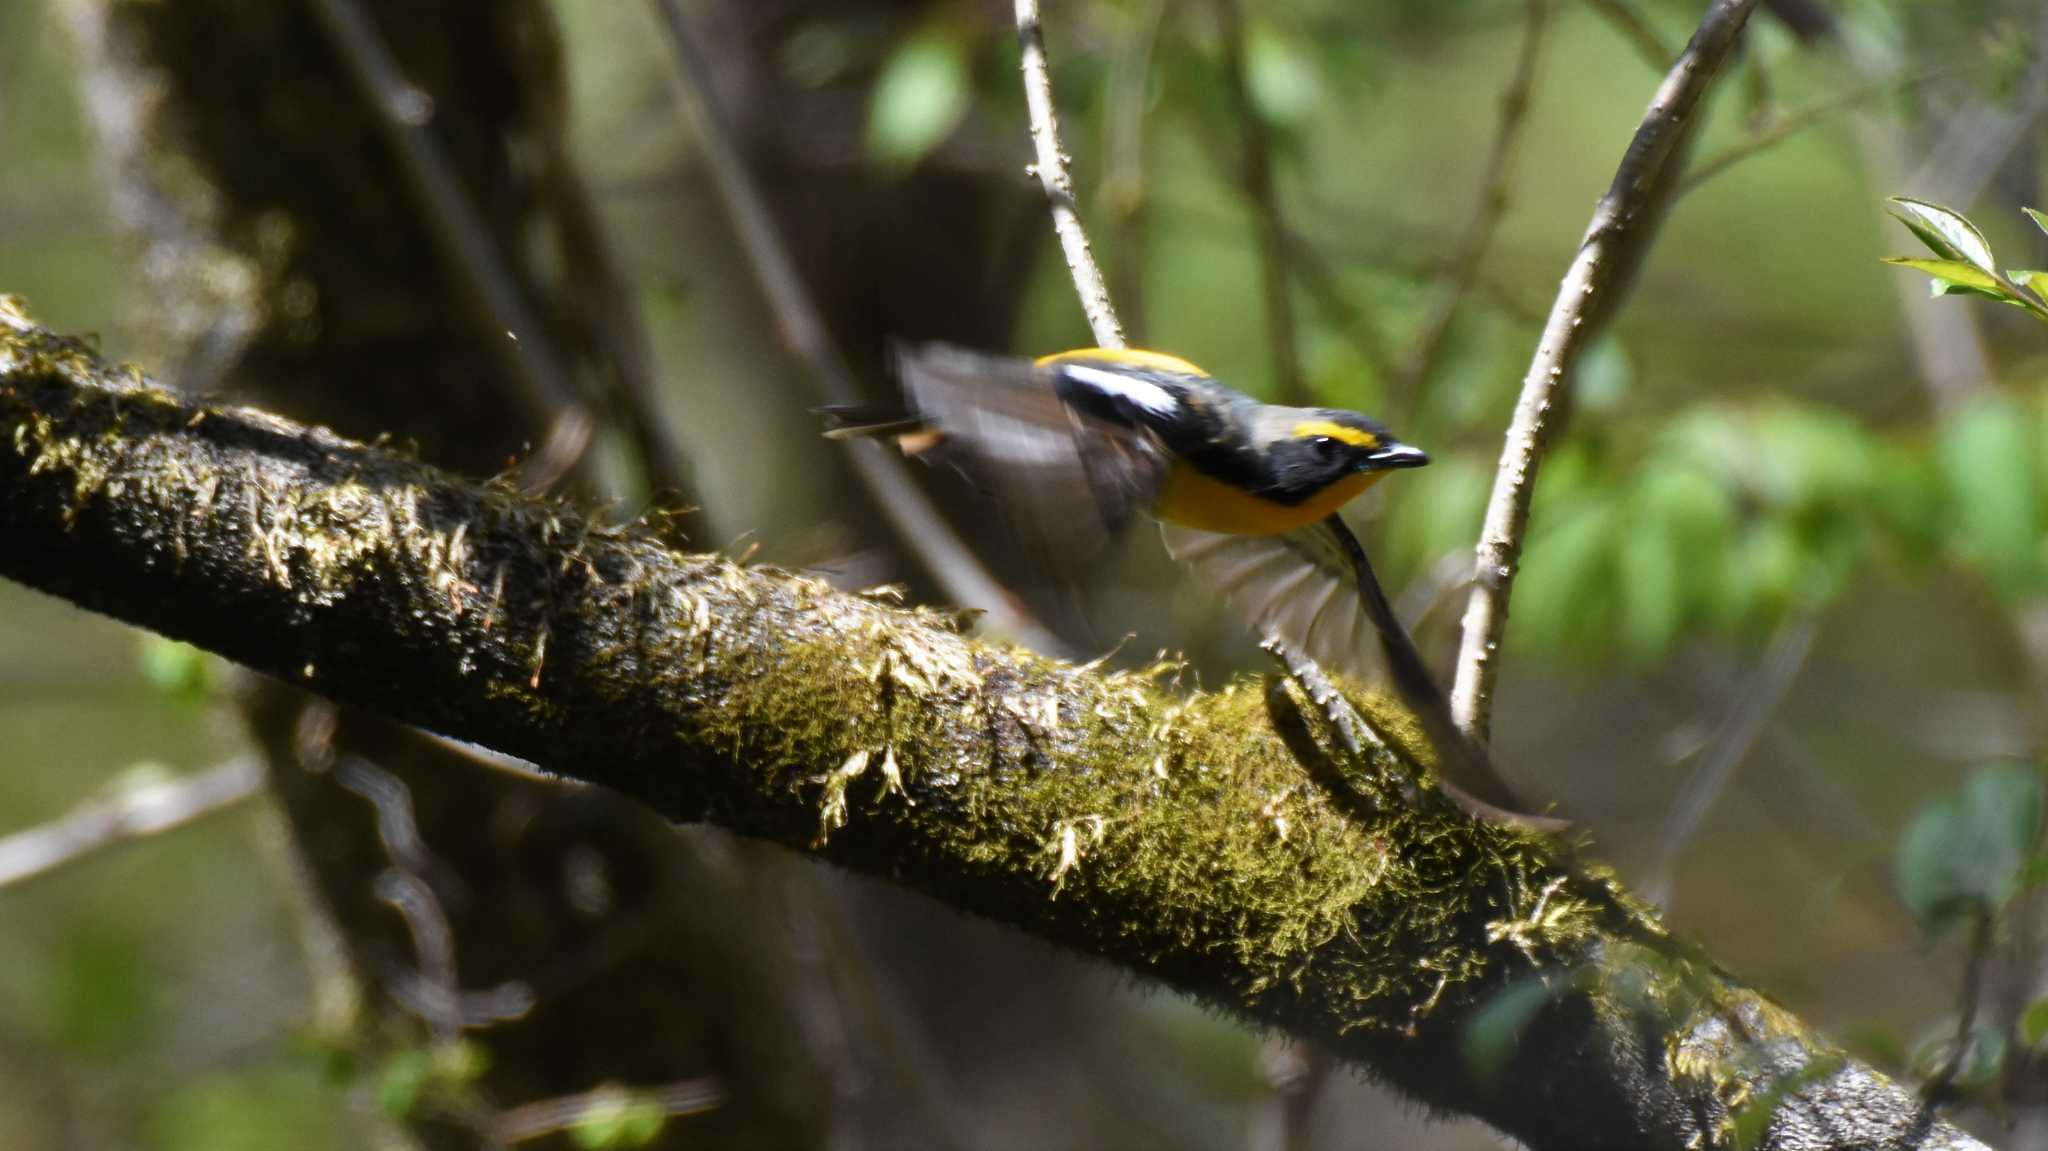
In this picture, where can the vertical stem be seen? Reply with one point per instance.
(1051, 169)
(1616, 241)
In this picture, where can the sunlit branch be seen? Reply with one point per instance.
(1051, 168)
(137, 810)
(544, 1117)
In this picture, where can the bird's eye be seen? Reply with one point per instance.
(1325, 446)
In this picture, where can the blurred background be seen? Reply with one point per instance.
(1780, 646)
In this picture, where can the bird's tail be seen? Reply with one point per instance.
(862, 421)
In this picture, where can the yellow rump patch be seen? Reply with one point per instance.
(1134, 357)
(1356, 437)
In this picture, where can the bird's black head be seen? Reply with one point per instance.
(1328, 446)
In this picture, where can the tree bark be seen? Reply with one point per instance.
(1221, 843)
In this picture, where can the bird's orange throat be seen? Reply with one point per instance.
(1192, 499)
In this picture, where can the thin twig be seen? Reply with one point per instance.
(1729, 747)
(1636, 30)
(1125, 187)
(1788, 124)
(1975, 964)
(403, 113)
(433, 991)
(1051, 170)
(563, 1113)
(925, 533)
(1297, 1074)
(1617, 239)
(1255, 173)
(1486, 214)
(141, 809)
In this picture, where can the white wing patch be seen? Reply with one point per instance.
(1145, 394)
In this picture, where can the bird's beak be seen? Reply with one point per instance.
(1394, 454)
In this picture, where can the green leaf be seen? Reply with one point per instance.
(1652, 603)
(2040, 220)
(2035, 873)
(175, 669)
(2023, 276)
(1283, 82)
(1566, 597)
(262, 1108)
(104, 998)
(1945, 232)
(402, 1079)
(1603, 378)
(1952, 275)
(918, 99)
(2034, 1023)
(1987, 457)
(1965, 853)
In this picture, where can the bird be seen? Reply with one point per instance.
(1078, 444)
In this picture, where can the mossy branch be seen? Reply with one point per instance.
(1223, 843)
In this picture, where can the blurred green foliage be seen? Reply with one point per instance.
(104, 996)
(919, 97)
(264, 1109)
(1731, 517)
(1966, 854)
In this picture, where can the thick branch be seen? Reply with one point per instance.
(1224, 844)
(1616, 242)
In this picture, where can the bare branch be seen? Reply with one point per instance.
(1791, 122)
(552, 1116)
(1617, 240)
(1179, 836)
(1486, 214)
(1636, 30)
(924, 532)
(142, 808)
(1255, 173)
(1051, 169)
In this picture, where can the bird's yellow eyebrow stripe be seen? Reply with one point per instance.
(1356, 437)
(1132, 357)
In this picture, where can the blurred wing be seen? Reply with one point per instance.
(1299, 586)
(1071, 481)
(1304, 588)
